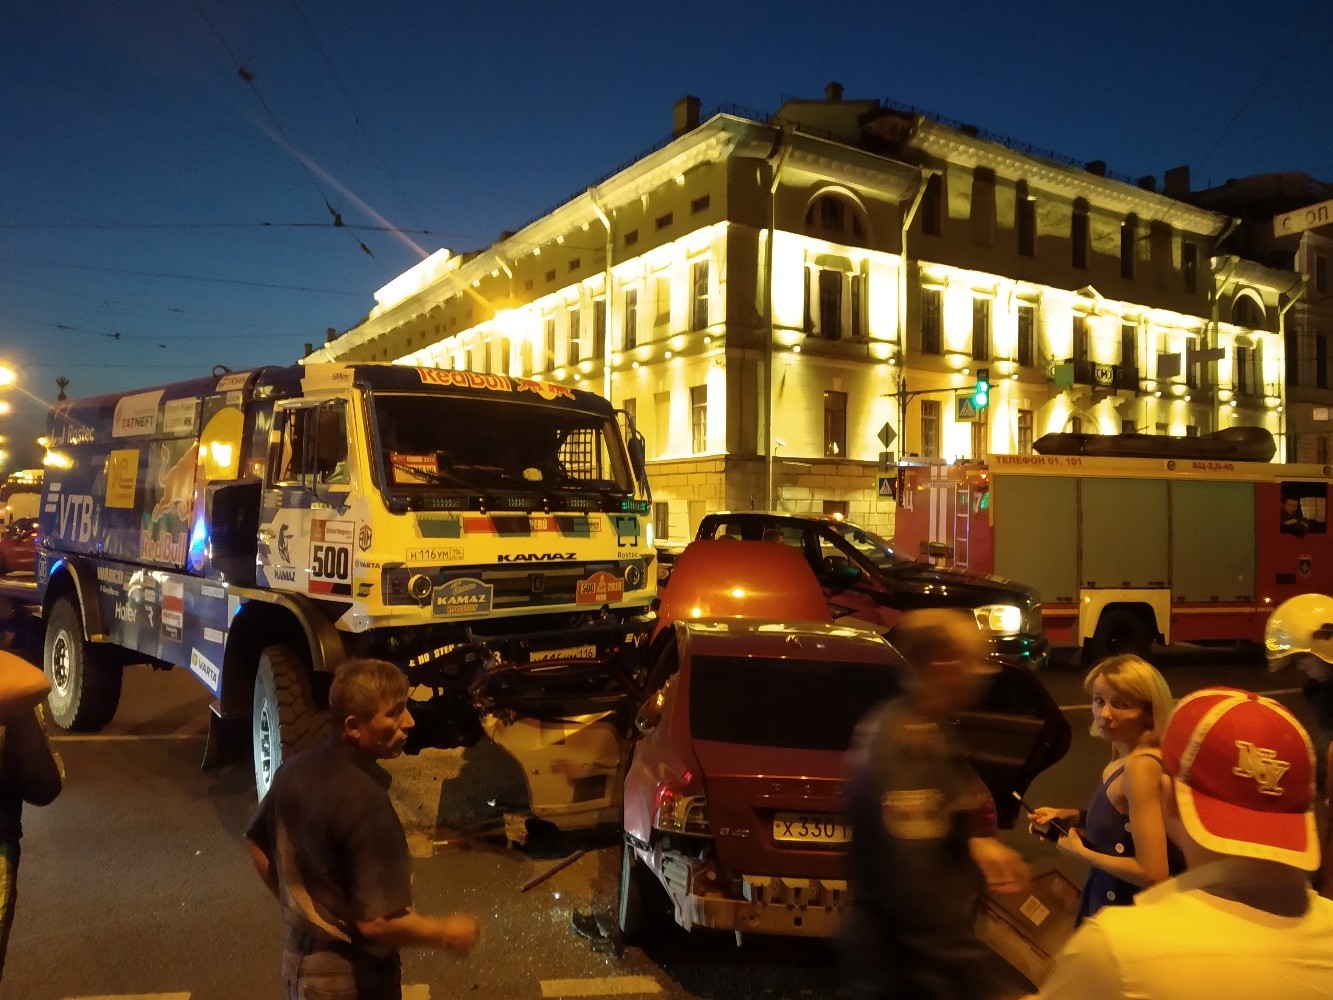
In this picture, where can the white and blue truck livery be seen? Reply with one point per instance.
(490, 535)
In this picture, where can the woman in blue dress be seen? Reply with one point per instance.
(1122, 834)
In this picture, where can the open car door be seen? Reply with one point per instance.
(1013, 734)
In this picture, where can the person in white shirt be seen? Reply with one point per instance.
(1242, 922)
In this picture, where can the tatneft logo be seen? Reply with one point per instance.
(136, 414)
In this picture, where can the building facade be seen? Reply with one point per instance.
(785, 304)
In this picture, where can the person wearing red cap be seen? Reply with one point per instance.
(1242, 923)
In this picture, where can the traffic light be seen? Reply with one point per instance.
(981, 393)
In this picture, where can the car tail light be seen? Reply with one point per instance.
(681, 807)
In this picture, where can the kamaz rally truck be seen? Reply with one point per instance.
(488, 534)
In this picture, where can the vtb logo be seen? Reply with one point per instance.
(1262, 765)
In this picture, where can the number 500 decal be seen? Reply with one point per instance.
(330, 562)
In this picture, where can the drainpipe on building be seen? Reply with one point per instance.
(1299, 287)
(926, 174)
(777, 158)
(610, 244)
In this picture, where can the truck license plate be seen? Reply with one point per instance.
(588, 652)
(807, 828)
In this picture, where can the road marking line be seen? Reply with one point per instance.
(613, 986)
(1266, 694)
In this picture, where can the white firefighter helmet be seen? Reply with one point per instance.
(1298, 625)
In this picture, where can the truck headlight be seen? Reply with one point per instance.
(999, 619)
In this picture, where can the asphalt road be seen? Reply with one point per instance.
(135, 882)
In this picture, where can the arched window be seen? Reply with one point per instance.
(835, 216)
(1245, 311)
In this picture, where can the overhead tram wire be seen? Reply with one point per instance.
(249, 78)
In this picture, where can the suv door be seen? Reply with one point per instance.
(1013, 734)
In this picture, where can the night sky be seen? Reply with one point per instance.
(171, 169)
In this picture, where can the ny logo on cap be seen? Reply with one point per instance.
(1262, 765)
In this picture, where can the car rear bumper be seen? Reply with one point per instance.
(795, 907)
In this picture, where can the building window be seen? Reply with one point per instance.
(1025, 432)
(575, 354)
(550, 275)
(830, 305)
(1078, 234)
(835, 424)
(631, 408)
(982, 209)
(661, 306)
(631, 237)
(699, 295)
(1027, 333)
(1192, 372)
(979, 427)
(1128, 244)
(631, 318)
(1189, 266)
(1127, 426)
(550, 342)
(857, 287)
(1321, 449)
(662, 422)
(1321, 279)
(1080, 338)
(525, 365)
(662, 221)
(1191, 430)
(699, 204)
(599, 328)
(932, 321)
(930, 428)
(932, 204)
(834, 216)
(1025, 221)
(1241, 364)
(698, 418)
(981, 329)
(1129, 349)
(1321, 361)
(661, 519)
(575, 264)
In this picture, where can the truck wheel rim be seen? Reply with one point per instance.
(265, 746)
(60, 664)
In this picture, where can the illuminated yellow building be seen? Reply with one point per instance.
(784, 302)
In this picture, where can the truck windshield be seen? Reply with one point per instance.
(477, 444)
(870, 545)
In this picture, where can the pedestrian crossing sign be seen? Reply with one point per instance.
(963, 407)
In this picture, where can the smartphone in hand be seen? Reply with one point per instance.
(1054, 828)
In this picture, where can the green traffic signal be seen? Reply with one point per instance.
(981, 393)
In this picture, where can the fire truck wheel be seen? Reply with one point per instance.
(286, 718)
(85, 677)
(643, 902)
(1119, 630)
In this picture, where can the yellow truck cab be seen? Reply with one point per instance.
(490, 535)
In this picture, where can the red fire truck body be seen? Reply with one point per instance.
(1128, 551)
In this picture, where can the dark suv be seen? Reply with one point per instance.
(869, 582)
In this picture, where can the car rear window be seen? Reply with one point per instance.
(800, 704)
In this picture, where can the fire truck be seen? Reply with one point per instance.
(489, 535)
(1125, 552)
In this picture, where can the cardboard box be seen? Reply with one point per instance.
(1028, 929)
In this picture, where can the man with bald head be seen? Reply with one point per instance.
(923, 827)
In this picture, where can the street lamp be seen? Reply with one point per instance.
(7, 375)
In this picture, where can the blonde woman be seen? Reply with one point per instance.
(1122, 835)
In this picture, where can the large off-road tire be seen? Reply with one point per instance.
(285, 718)
(1119, 630)
(85, 676)
(644, 906)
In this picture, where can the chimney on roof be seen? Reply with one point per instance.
(686, 115)
(309, 350)
(1176, 182)
(506, 234)
(330, 335)
(971, 130)
(1096, 167)
(833, 91)
(1148, 182)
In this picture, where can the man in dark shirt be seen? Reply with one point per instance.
(329, 845)
(30, 771)
(923, 844)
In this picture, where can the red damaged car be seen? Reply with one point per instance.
(734, 813)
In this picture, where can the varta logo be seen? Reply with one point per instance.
(536, 557)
